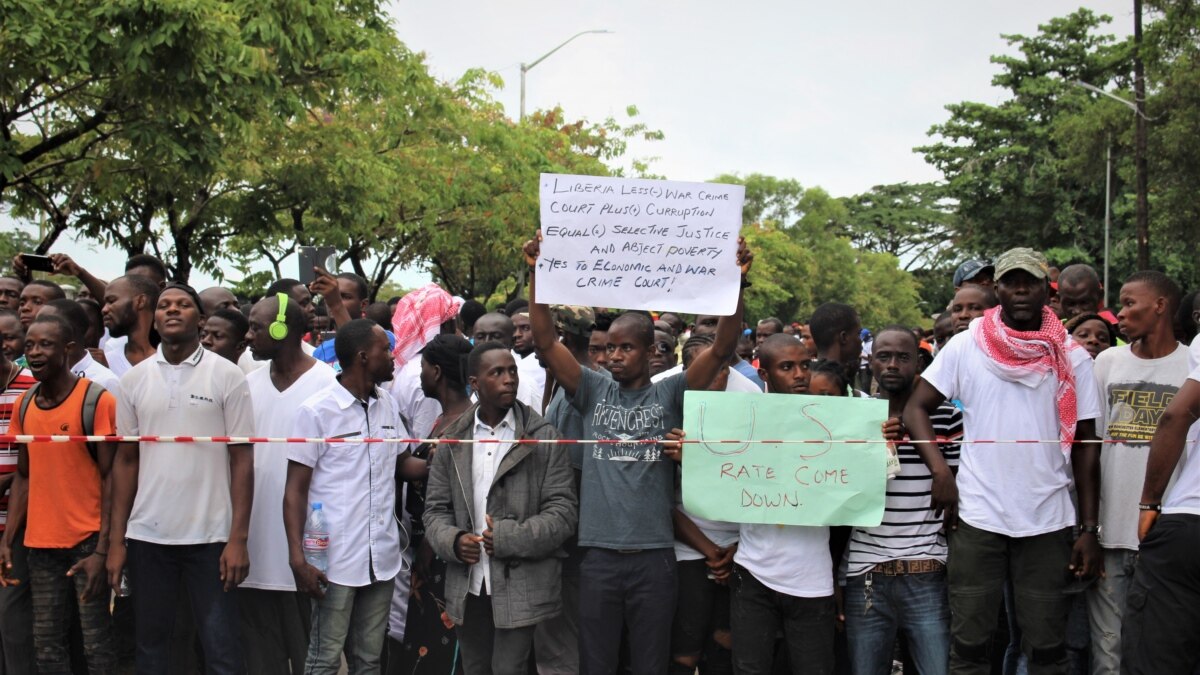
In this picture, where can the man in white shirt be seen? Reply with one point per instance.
(183, 509)
(501, 537)
(1018, 376)
(1137, 382)
(1161, 630)
(355, 483)
(84, 364)
(783, 574)
(274, 617)
(298, 294)
(128, 308)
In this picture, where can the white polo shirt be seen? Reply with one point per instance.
(183, 488)
(274, 416)
(485, 461)
(355, 482)
(91, 369)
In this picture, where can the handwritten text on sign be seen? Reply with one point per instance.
(639, 244)
(784, 483)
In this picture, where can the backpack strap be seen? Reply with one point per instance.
(91, 399)
(29, 394)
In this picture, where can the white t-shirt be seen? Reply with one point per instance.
(1194, 352)
(736, 381)
(418, 411)
(1184, 497)
(91, 369)
(355, 482)
(183, 488)
(274, 416)
(249, 364)
(1018, 490)
(114, 353)
(1135, 392)
(529, 370)
(790, 559)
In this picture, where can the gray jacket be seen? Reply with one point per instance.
(534, 509)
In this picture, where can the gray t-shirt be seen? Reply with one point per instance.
(1136, 392)
(626, 494)
(569, 422)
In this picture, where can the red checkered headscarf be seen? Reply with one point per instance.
(1027, 357)
(418, 317)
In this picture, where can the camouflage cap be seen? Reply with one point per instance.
(1022, 259)
(573, 319)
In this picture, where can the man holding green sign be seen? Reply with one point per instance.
(785, 495)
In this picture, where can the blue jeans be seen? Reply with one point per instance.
(156, 572)
(877, 606)
(354, 618)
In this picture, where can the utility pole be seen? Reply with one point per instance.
(1141, 179)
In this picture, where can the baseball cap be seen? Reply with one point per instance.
(1022, 259)
(573, 319)
(969, 269)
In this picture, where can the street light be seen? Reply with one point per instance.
(526, 67)
(1108, 168)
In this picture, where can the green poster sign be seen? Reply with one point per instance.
(819, 483)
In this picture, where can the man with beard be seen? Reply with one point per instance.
(128, 311)
(896, 571)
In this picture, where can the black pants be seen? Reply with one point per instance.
(758, 614)
(1160, 634)
(701, 609)
(487, 650)
(636, 590)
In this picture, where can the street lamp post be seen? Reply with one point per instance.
(526, 67)
(1108, 169)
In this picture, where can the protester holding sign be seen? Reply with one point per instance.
(628, 569)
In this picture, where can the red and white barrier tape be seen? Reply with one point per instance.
(43, 438)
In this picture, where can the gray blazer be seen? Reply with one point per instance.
(534, 509)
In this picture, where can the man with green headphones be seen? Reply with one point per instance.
(271, 610)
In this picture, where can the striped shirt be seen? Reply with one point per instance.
(909, 530)
(8, 451)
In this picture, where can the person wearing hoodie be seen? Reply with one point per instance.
(499, 513)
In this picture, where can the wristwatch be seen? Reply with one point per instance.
(1090, 529)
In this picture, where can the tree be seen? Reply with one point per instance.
(1030, 170)
(803, 257)
(123, 119)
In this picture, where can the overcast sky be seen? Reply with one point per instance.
(833, 94)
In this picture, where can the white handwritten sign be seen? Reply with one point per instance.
(639, 244)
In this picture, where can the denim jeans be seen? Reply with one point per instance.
(757, 615)
(16, 615)
(52, 610)
(353, 618)
(635, 590)
(156, 572)
(1106, 607)
(877, 606)
(979, 563)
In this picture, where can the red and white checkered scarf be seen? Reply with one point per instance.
(419, 317)
(1027, 357)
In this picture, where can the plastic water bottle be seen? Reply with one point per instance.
(316, 539)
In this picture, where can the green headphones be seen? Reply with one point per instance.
(278, 329)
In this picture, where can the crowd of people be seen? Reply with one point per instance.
(1041, 512)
